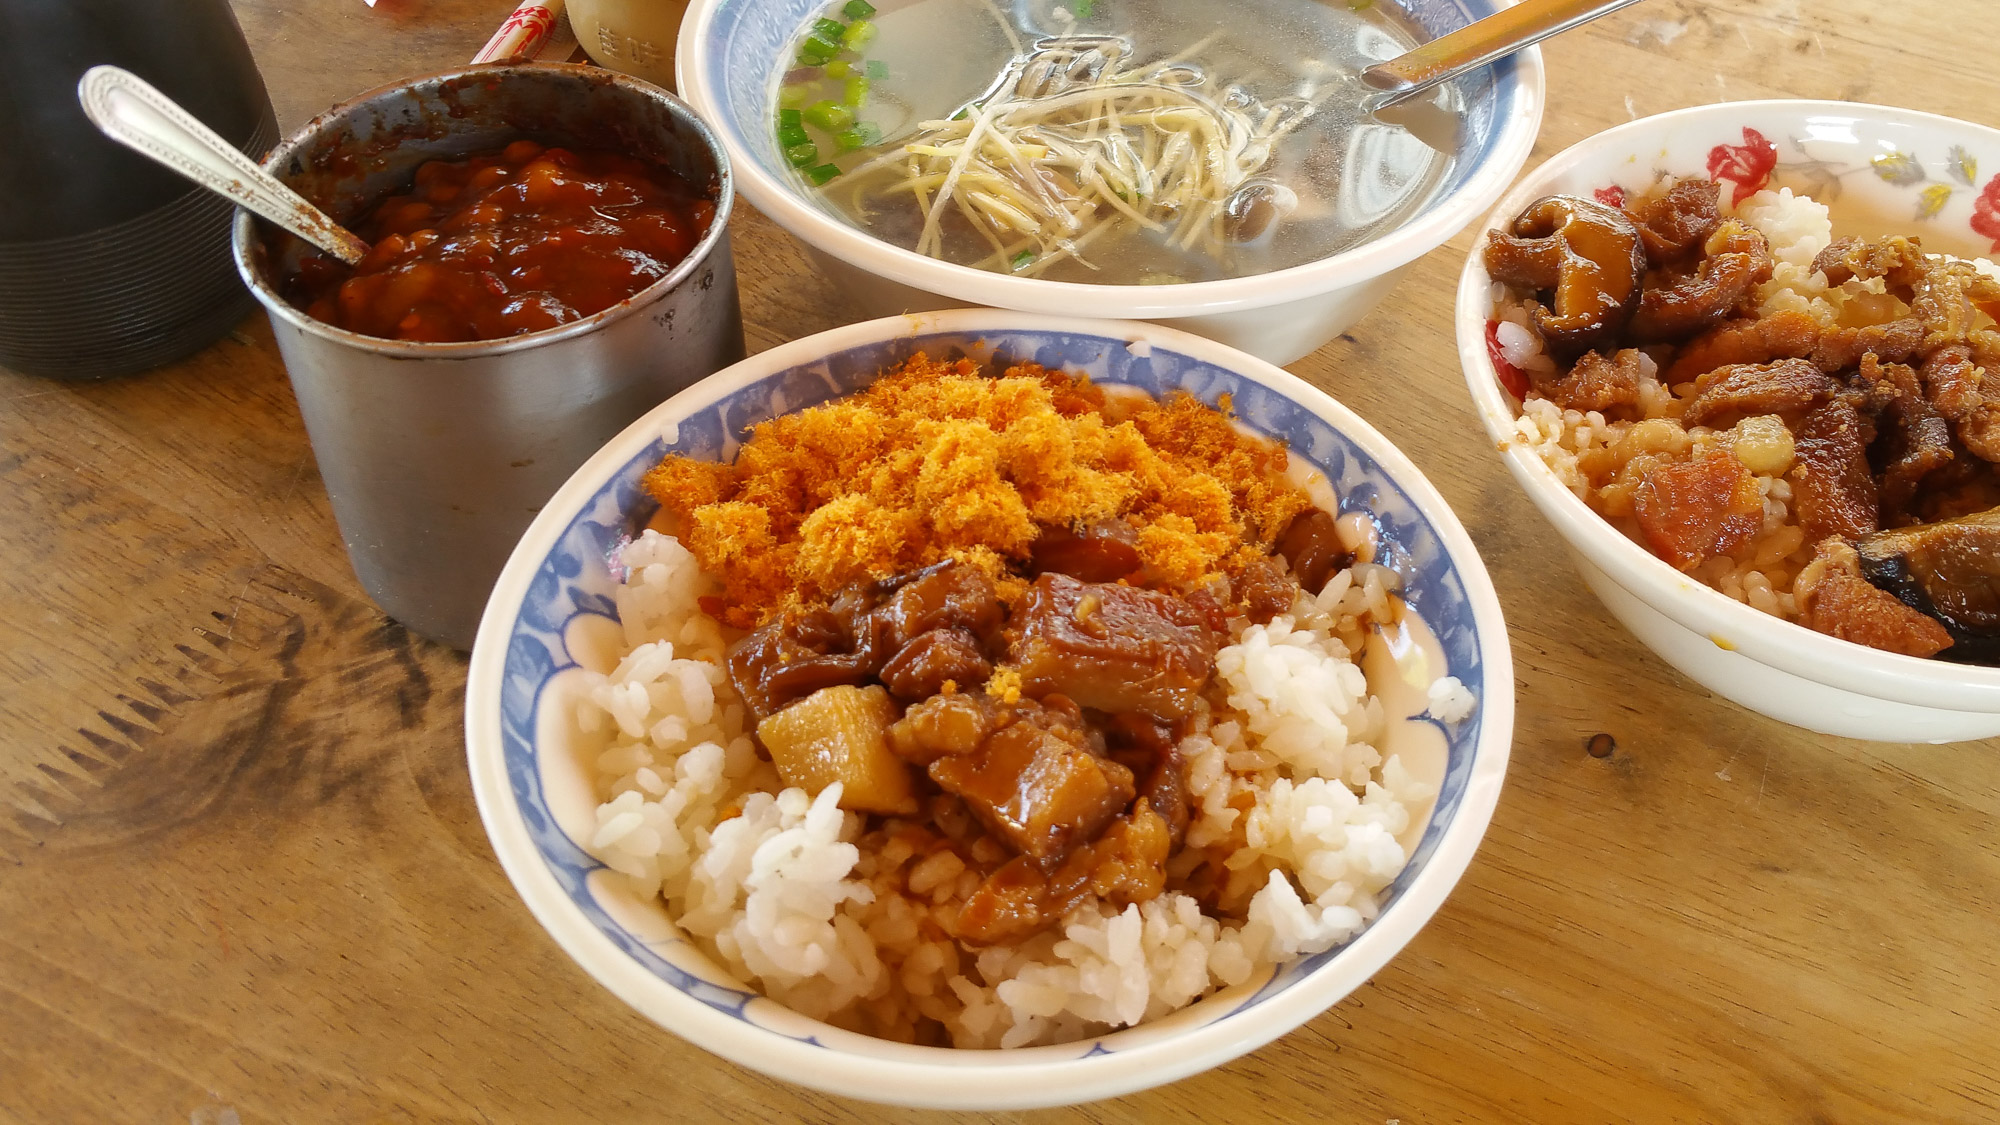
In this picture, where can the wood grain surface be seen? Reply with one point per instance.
(242, 879)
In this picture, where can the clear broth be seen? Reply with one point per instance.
(1353, 177)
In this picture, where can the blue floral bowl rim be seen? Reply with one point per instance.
(945, 1077)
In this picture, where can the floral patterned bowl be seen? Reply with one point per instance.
(552, 606)
(1880, 170)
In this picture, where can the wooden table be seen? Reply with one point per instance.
(242, 877)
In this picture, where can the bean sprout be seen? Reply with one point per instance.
(1071, 140)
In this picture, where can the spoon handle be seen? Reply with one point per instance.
(1480, 42)
(133, 113)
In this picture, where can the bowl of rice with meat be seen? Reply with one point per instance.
(985, 710)
(1745, 359)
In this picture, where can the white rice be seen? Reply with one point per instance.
(1451, 701)
(773, 884)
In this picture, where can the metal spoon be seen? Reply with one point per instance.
(128, 110)
(1477, 44)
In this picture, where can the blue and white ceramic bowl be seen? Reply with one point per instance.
(728, 60)
(553, 602)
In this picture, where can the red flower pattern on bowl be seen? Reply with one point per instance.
(1986, 212)
(1748, 165)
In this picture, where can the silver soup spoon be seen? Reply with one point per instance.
(130, 111)
(1476, 44)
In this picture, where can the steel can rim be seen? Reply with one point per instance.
(244, 242)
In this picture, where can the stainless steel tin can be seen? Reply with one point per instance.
(436, 456)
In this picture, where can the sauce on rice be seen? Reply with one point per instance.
(1031, 734)
(1774, 409)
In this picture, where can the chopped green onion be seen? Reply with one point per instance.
(789, 118)
(859, 34)
(802, 154)
(789, 135)
(790, 98)
(877, 70)
(816, 51)
(858, 9)
(820, 174)
(1021, 261)
(839, 68)
(829, 115)
(827, 29)
(857, 90)
(861, 136)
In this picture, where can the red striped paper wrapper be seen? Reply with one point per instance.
(524, 34)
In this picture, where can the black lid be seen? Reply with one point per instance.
(60, 176)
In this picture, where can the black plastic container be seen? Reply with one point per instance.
(109, 263)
